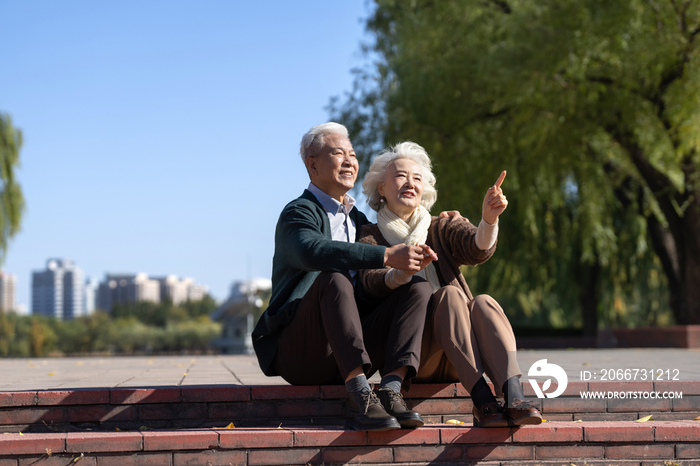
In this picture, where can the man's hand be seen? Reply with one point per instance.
(410, 259)
(495, 201)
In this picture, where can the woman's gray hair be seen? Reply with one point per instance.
(313, 139)
(378, 171)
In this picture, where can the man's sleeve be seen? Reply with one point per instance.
(307, 248)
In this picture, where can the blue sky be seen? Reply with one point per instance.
(162, 136)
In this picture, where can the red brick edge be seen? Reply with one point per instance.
(230, 393)
(552, 440)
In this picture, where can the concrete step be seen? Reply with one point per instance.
(289, 406)
(552, 443)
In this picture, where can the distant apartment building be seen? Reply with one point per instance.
(90, 296)
(180, 290)
(127, 288)
(130, 288)
(8, 286)
(58, 290)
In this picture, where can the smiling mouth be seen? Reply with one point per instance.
(347, 174)
(408, 194)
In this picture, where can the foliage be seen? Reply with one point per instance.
(11, 199)
(164, 313)
(162, 328)
(591, 106)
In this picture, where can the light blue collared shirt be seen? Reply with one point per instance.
(342, 225)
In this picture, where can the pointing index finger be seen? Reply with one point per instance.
(500, 179)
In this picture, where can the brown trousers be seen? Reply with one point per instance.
(327, 338)
(462, 341)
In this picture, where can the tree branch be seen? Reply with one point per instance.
(662, 240)
(660, 185)
(501, 5)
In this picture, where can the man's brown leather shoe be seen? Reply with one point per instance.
(490, 415)
(367, 413)
(395, 405)
(523, 413)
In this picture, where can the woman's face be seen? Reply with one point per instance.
(403, 188)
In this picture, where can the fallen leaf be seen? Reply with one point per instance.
(586, 363)
(185, 373)
(578, 420)
(454, 422)
(51, 373)
(117, 429)
(644, 419)
(697, 419)
(279, 426)
(78, 458)
(145, 428)
(21, 433)
(230, 426)
(48, 452)
(544, 420)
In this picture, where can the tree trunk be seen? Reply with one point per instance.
(689, 309)
(678, 245)
(589, 298)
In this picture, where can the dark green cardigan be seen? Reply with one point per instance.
(304, 248)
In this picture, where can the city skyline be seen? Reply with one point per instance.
(163, 136)
(61, 290)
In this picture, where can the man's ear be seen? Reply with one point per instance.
(311, 166)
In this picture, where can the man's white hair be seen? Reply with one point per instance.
(313, 139)
(377, 173)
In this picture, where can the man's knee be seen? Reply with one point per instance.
(336, 281)
(419, 288)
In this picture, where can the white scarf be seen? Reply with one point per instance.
(413, 232)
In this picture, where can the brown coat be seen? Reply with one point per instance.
(454, 242)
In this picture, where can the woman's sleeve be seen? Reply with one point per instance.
(458, 236)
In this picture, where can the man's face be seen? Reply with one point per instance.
(334, 167)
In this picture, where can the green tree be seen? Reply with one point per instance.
(592, 106)
(11, 199)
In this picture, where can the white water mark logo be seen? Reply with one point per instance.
(544, 369)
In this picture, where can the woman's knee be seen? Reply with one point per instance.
(449, 292)
(449, 299)
(484, 304)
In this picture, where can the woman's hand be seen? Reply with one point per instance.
(495, 201)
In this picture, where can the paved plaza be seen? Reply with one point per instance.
(157, 371)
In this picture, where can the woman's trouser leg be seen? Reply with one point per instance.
(462, 341)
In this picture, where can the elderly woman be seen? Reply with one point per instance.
(464, 336)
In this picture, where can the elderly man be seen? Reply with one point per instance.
(313, 332)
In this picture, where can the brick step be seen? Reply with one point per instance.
(633, 443)
(270, 406)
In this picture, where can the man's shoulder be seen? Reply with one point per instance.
(306, 202)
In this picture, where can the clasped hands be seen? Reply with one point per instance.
(413, 259)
